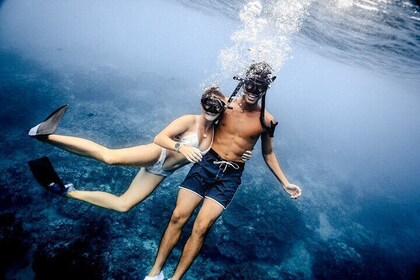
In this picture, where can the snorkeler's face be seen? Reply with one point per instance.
(212, 107)
(251, 98)
(255, 88)
(210, 116)
(253, 91)
(212, 104)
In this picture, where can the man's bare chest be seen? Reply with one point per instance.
(242, 124)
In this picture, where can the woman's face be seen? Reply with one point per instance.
(212, 107)
(209, 116)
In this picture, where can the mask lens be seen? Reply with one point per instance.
(212, 105)
(255, 88)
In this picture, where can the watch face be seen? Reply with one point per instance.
(177, 146)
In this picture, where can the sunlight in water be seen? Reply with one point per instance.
(265, 35)
(344, 3)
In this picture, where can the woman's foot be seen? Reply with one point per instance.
(59, 189)
(46, 176)
(50, 124)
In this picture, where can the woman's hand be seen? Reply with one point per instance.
(192, 154)
(246, 156)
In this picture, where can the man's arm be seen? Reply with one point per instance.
(272, 163)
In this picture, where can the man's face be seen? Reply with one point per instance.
(250, 98)
(253, 92)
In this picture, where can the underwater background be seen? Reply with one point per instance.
(346, 98)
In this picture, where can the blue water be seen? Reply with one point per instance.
(348, 134)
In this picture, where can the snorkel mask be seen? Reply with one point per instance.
(255, 87)
(212, 105)
(258, 78)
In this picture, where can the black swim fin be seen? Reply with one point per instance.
(50, 124)
(46, 176)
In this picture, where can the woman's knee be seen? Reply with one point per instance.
(123, 206)
(109, 156)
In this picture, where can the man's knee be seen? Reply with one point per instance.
(178, 217)
(201, 227)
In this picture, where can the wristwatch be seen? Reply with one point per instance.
(178, 146)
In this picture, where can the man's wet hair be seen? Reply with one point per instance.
(260, 73)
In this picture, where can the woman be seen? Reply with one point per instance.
(190, 137)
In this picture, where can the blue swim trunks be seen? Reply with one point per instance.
(214, 178)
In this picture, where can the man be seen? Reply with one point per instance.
(218, 175)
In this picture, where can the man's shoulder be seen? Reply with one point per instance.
(268, 118)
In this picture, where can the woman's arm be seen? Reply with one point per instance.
(177, 127)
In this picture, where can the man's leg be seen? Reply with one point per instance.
(208, 214)
(186, 203)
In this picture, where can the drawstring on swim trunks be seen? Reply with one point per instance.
(225, 164)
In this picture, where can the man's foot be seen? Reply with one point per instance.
(160, 276)
(49, 125)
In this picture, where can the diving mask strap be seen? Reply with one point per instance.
(238, 87)
(234, 93)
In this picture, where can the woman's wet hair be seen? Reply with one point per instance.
(213, 90)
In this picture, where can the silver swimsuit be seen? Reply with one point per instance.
(188, 140)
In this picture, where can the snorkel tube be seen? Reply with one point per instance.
(258, 74)
(238, 87)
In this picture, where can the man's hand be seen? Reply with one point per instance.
(246, 156)
(293, 190)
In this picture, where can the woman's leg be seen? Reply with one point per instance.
(142, 155)
(141, 187)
